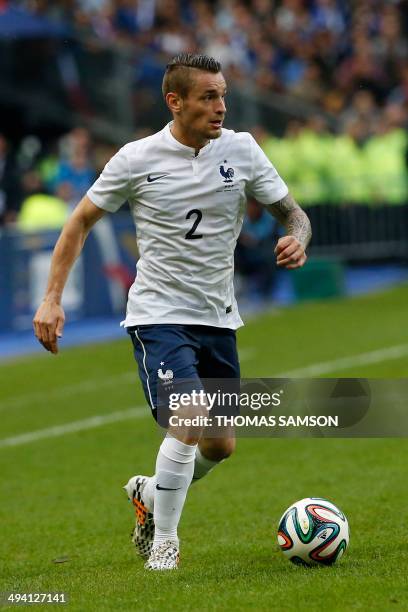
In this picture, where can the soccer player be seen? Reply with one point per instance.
(186, 186)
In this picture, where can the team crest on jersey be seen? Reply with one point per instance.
(229, 176)
(227, 173)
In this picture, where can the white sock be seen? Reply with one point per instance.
(174, 471)
(202, 465)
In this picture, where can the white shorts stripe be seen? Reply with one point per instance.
(145, 369)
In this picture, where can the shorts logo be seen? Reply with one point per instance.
(167, 375)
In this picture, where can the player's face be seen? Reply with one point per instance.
(202, 112)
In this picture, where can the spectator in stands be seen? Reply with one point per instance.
(76, 168)
(364, 110)
(39, 210)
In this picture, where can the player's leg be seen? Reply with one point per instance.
(212, 451)
(164, 355)
(218, 360)
(209, 453)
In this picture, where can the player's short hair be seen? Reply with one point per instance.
(178, 77)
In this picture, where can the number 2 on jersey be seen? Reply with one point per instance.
(199, 215)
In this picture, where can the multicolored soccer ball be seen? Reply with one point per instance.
(313, 531)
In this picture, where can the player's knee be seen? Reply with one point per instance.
(219, 449)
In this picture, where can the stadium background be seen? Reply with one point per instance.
(323, 86)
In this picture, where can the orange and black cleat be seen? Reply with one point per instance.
(143, 533)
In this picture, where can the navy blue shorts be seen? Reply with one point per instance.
(172, 352)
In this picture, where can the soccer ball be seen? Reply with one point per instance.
(313, 531)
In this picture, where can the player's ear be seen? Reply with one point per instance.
(174, 102)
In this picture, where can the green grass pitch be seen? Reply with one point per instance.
(61, 496)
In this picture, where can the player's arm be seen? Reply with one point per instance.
(49, 319)
(291, 249)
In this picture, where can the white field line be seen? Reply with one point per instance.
(87, 386)
(74, 426)
(344, 363)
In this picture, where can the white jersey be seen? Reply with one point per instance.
(188, 212)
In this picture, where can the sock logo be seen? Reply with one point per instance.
(159, 488)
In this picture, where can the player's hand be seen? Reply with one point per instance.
(290, 254)
(48, 324)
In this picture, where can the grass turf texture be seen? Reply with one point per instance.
(61, 497)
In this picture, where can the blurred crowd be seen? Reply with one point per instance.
(350, 167)
(41, 182)
(321, 51)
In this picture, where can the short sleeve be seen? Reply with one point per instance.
(111, 189)
(265, 184)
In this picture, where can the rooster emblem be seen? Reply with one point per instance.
(167, 375)
(227, 174)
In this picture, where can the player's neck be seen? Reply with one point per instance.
(187, 139)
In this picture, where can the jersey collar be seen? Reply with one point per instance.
(188, 152)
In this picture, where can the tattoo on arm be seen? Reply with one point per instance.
(288, 212)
